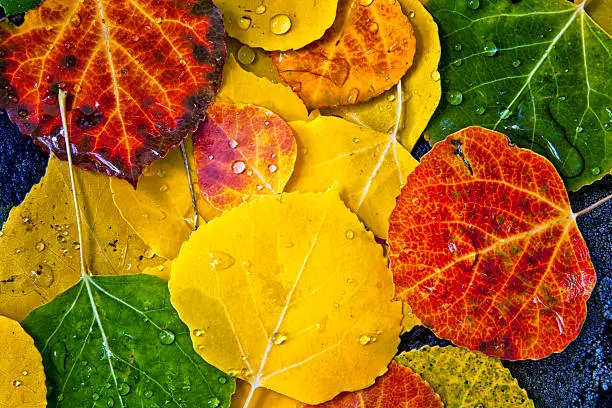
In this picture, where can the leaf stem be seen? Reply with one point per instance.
(593, 206)
(196, 218)
(62, 105)
(250, 396)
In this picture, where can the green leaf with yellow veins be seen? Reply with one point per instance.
(466, 379)
(12, 7)
(116, 341)
(537, 71)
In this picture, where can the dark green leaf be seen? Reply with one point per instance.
(12, 7)
(536, 70)
(117, 341)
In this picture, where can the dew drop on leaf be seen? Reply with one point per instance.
(110, 402)
(95, 396)
(595, 171)
(244, 22)
(166, 337)
(16, 383)
(373, 28)
(480, 110)
(214, 403)
(238, 167)
(260, 9)
(220, 261)
(278, 339)
(473, 4)
(272, 168)
(246, 55)
(198, 332)
(458, 47)
(364, 340)
(124, 389)
(353, 95)
(222, 380)
(40, 246)
(579, 129)
(516, 63)
(505, 114)
(435, 75)
(490, 49)
(349, 234)
(148, 394)
(280, 24)
(454, 97)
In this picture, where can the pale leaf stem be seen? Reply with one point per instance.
(593, 206)
(194, 204)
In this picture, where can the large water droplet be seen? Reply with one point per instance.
(505, 114)
(278, 339)
(214, 403)
(473, 4)
(349, 234)
(222, 380)
(124, 389)
(280, 24)
(238, 167)
(148, 394)
(353, 95)
(220, 261)
(16, 383)
(454, 97)
(244, 22)
(110, 402)
(364, 340)
(40, 246)
(480, 110)
(76, 20)
(435, 75)
(198, 332)
(246, 55)
(260, 9)
(365, 3)
(595, 171)
(373, 28)
(95, 396)
(166, 337)
(272, 168)
(490, 49)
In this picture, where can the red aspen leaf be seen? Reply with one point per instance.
(485, 248)
(242, 151)
(367, 50)
(399, 387)
(139, 75)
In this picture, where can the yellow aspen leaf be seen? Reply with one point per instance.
(368, 167)
(277, 24)
(262, 398)
(420, 90)
(600, 12)
(466, 379)
(160, 209)
(22, 378)
(242, 151)
(244, 87)
(39, 247)
(291, 293)
(161, 271)
(410, 321)
(254, 60)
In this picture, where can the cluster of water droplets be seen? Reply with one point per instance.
(279, 24)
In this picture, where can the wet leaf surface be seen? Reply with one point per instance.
(117, 341)
(22, 378)
(485, 249)
(139, 77)
(368, 50)
(291, 290)
(535, 70)
(242, 151)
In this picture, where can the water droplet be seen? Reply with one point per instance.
(124, 389)
(246, 55)
(458, 47)
(473, 4)
(214, 403)
(22, 113)
(490, 49)
(415, 201)
(24, 373)
(158, 20)
(76, 246)
(16, 383)
(297, 87)
(40, 246)
(222, 380)
(232, 143)
(211, 157)
(60, 398)
(364, 340)
(349, 234)
(391, 2)
(76, 89)
(516, 63)
(272, 168)
(353, 95)
(435, 75)
(278, 339)
(373, 28)
(579, 129)
(454, 97)
(238, 167)
(365, 3)
(110, 402)
(61, 239)
(480, 110)
(562, 98)
(267, 123)
(260, 9)
(457, 63)
(163, 188)
(220, 261)
(411, 14)
(280, 24)
(505, 114)
(95, 396)
(58, 355)
(391, 97)
(148, 394)
(76, 20)
(166, 337)
(135, 38)
(244, 22)
(595, 171)
(356, 140)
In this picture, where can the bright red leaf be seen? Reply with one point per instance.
(242, 151)
(400, 387)
(139, 74)
(485, 249)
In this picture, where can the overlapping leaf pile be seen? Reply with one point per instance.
(268, 222)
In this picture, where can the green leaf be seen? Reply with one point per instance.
(12, 7)
(117, 341)
(536, 70)
(466, 379)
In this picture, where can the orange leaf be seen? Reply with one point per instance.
(139, 76)
(368, 50)
(242, 151)
(485, 248)
(399, 387)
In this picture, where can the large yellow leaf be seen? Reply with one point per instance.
(420, 92)
(160, 210)
(277, 24)
(22, 378)
(262, 398)
(255, 60)
(39, 247)
(244, 87)
(368, 167)
(289, 293)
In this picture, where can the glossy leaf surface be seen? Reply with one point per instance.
(367, 167)
(399, 387)
(262, 398)
(160, 210)
(277, 24)
(368, 50)
(139, 76)
(117, 341)
(420, 92)
(535, 70)
(39, 244)
(291, 292)
(242, 151)
(22, 378)
(12, 7)
(485, 249)
(466, 379)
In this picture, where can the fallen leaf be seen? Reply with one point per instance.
(466, 379)
(139, 77)
(536, 70)
(368, 50)
(117, 341)
(244, 87)
(368, 167)
(277, 24)
(485, 248)
(292, 293)
(242, 151)
(39, 243)
(399, 387)
(22, 378)
(420, 87)
(255, 60)
(160, 210)
(12, 7)
(262, 398)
